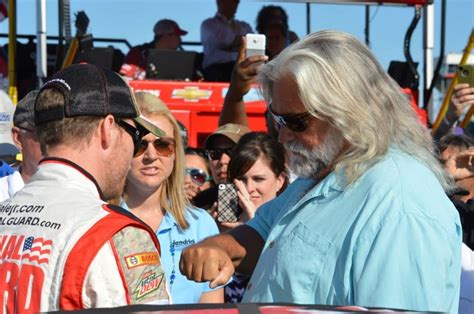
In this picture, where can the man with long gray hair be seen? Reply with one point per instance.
(368, 222)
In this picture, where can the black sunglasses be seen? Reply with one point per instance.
(296, 122)
(198, 176)
(216, 154)
(135, 133)
(164, 146)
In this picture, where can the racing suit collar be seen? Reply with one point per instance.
(75, 166)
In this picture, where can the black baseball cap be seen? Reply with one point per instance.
(92, 91)
(25, 111)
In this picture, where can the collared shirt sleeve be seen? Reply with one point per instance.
(214, 36)
(127, 270)
(408, 252)
(217, 36)
(407, 249)
(264, 219)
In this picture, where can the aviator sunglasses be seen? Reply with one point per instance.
(216, 154)
(164, 146)
(198, 176)
(296, 122)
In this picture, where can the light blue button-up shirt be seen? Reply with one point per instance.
(171, 237)
(391, 239)
(173, 240)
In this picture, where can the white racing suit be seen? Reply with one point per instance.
(63, 248)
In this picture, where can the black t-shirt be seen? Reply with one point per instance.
(466, 213)
(206, 198)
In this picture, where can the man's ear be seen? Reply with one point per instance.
(16, 135)
(106, 130)
(280, 182)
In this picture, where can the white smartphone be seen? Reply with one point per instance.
(255, 45)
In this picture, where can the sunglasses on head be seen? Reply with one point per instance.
(135, 133)
(164, 146)
(198, 176)
(216, 154)
(296, 122)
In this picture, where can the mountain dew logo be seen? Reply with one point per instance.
(150, 282)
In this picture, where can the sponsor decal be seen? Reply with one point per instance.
(21, 284)
(182, 243)
(37, 249)
(191, 93)
(5, 117)
(150, 281)
(19, 247)
(15, 208)
(140, 259)
(28, 221)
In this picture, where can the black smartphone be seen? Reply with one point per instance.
(228, 209)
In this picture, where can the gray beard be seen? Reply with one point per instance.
(310, 162)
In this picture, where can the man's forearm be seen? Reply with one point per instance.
(242, 244)
(251, 245)
(233, 110)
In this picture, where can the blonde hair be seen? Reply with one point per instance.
(173, 197)
(339, 80)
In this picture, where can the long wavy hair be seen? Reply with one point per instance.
(339, 80)
(173, 197)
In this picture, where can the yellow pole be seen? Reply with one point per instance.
(468, 116)
(12, 88)
(444, 107)
(71, 53)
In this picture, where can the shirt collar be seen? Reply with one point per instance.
(326, 189)
(225, 19)
(167, 224)
(330, 184)
(66, 162)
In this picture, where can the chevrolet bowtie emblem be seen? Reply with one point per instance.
(191, 93)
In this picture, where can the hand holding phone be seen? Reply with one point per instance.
(255, 45)
(466, 74)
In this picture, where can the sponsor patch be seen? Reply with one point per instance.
(150, 281)
(147, 258)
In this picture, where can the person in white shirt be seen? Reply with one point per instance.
(7, 108)
(23, 134)
(221, 38)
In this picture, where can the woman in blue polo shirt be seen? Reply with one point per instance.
(154, 192)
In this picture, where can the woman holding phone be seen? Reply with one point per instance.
(154, 192)
(258, 170)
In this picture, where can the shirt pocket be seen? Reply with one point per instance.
(299, 261)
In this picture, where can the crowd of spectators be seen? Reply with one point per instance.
(220, 37)
(346, 200)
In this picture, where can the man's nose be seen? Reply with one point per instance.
(224, 158)
(285, 135)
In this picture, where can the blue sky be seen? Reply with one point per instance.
(134, 20)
